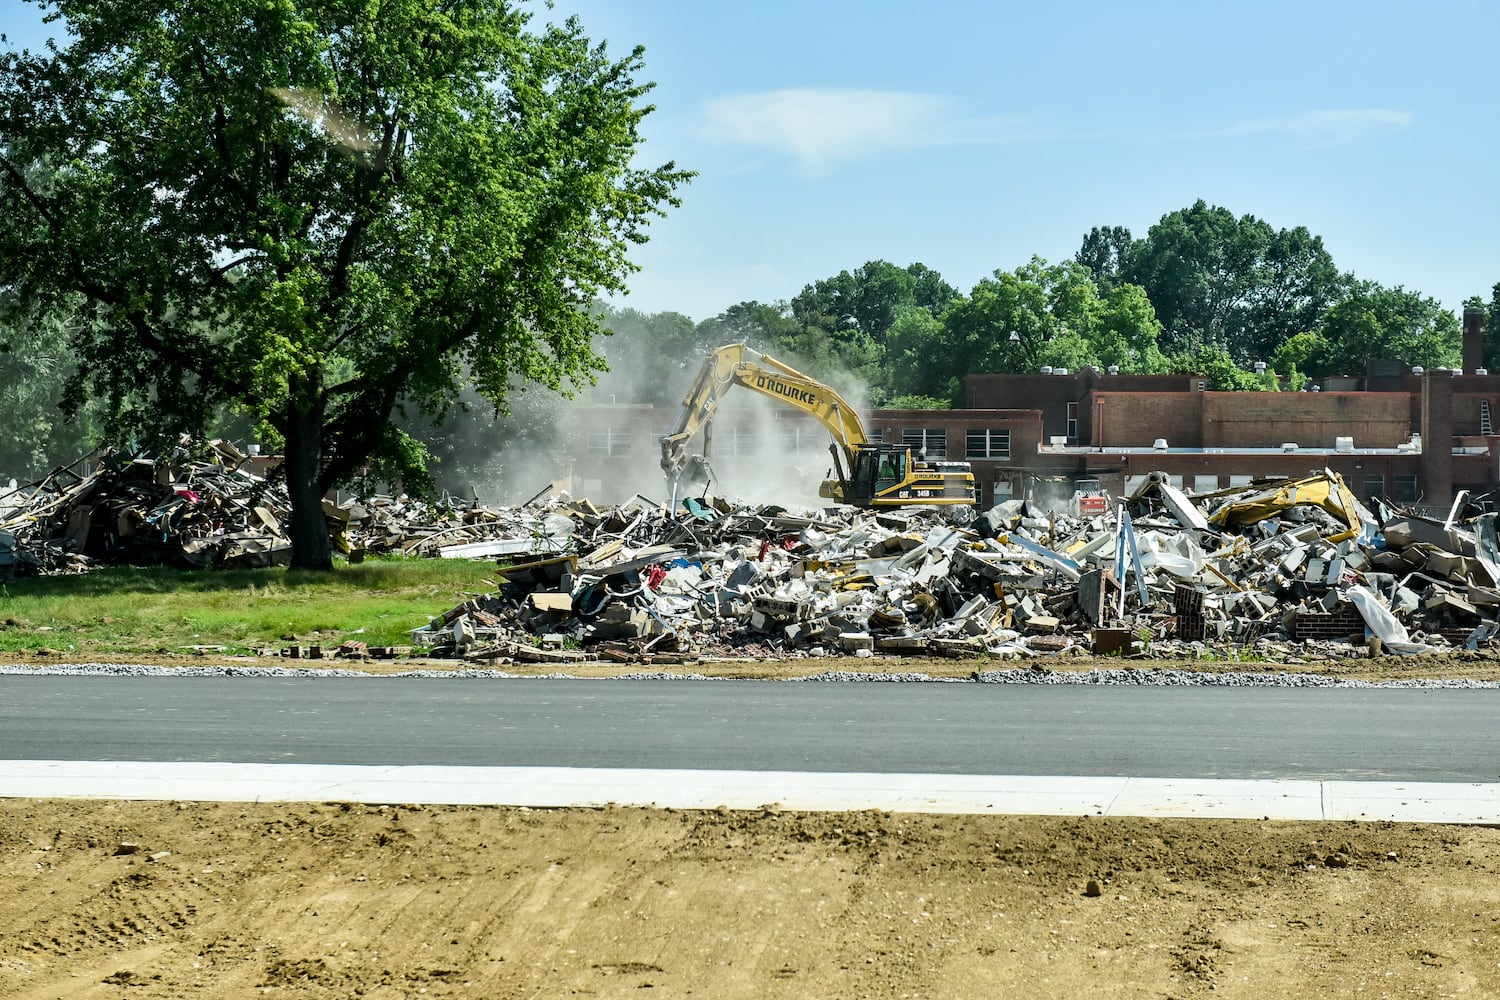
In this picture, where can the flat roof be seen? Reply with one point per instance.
(1051, 449)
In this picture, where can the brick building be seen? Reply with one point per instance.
(1412, 436)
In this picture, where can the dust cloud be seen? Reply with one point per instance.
(605, 443)
(760, 450)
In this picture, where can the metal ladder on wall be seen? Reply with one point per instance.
(1485, 426)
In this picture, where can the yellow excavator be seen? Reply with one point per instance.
(869, 474)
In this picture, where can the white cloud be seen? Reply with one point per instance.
(819, 127)
(1328, 128)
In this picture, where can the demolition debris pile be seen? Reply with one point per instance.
(228, 510)
(1288, 562)
(1163, 573)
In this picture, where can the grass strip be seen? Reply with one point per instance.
(156, 610)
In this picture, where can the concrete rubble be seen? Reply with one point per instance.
(229, 509)
(1290, 569)
(1285, 569)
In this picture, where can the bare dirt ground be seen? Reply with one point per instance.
(154, 900)
(334, 900)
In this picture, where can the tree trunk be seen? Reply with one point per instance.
(311, 548)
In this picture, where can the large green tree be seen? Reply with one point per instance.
(868, 299)
(1374, 321)
(650, 356)
(845, 319)
(1235, 282)
(1106, 252)
(320, 209)
(762, 325)
(1051, 314)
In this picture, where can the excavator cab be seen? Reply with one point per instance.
(886, 469)
(888, 475)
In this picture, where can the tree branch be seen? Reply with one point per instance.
(219, 139)
(37, 201)
(221, 271)
(398, 366)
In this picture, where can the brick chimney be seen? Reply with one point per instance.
(1473, 340)
(1436, 483)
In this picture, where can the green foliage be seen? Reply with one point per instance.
(1219, 367)
(1298, 355)
(649, 355)
(1128, 332)
(1491, 327)
(1105, 252)
(753, 323)
(1051, 314)
(920, 359)
(866, 329)
(866, 302)
(917, 402)
(319, 210)
(1235, 282)
(1379, 322)
(843, 323)
(34, 361)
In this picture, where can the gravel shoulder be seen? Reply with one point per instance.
(1456, 666)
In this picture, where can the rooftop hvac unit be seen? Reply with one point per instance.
(1059, 371)
(1046, 369)
(1058, 440)
(1114, 369)
(1289, 446)
(1417, 370)
(1160, 444)
(1343, 444)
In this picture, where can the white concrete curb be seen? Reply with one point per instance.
(1407, 802)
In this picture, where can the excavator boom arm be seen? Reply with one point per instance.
(870, 474)
(737, 364)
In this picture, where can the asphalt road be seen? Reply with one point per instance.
(1209, 732)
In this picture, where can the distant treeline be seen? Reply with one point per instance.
(1203, 292)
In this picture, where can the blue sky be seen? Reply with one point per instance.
(970, 136)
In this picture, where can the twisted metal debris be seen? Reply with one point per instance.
(1293, 565)
(1287, 567)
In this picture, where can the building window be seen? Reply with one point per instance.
(1374, 487)
(1404, 489)
(935, 442)
(798, 439)
(1072, 423)
(743, 442)
(612, 443)
(988, 443)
